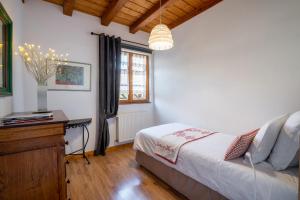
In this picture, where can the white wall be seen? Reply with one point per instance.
(5, 106)
(14, 10)
(46, 25)
(233, 67)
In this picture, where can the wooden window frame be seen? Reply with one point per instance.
(130, 77)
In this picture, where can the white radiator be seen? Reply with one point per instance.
(129, 123)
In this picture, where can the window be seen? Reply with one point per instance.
(134, 87)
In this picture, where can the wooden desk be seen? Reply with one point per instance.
(32, 164)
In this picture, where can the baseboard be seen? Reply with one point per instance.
(72, 157)
(118, 147)
(91, 153)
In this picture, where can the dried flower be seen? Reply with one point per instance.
(41, 66)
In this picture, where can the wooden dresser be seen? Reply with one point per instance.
(32, 164)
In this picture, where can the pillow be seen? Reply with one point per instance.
(240, 145)
(265, 139)
(287, 144)
(295, 161)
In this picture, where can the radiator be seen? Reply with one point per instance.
(129, 123)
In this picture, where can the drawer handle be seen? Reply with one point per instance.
(68, 181)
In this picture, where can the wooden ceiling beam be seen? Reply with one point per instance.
(150, 15)
(112, 10)
(68, 7)
(194, 13)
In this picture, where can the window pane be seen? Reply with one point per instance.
(139, 76)
(124, 82)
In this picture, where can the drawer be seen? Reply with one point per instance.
(31, 144)
(30, 132)
(30, 175)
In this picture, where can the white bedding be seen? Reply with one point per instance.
(203, 161)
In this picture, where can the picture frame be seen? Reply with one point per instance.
(71, 76)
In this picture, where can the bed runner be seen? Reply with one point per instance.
(168, 146)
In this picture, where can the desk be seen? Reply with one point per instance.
(80, 123)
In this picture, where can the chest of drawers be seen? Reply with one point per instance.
(32, 162)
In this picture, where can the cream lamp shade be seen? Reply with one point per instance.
(161, 38)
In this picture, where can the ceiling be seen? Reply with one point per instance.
(138, 14)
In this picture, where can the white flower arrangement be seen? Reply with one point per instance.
(41, 66)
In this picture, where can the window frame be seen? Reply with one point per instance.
(130, 99)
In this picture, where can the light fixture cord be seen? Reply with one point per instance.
(160, 11)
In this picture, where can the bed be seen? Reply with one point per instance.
(201, 172)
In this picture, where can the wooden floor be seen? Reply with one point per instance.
(115, 176)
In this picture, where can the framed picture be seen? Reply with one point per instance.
(71, 76)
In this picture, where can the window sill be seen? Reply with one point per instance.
(134, 102)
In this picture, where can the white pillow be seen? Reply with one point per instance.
(265, 139)
(287, 144)
(295, 161)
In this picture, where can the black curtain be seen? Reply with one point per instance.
(109, 86)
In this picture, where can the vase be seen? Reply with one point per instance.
(42, 98)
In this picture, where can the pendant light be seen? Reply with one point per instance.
(161, 36)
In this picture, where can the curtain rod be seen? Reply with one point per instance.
(92, 33)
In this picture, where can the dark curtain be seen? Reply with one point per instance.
(109, 86)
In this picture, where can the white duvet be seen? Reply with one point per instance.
(203, 161)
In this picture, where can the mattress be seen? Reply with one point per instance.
(203, 161)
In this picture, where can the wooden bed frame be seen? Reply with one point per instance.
(185, 185)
